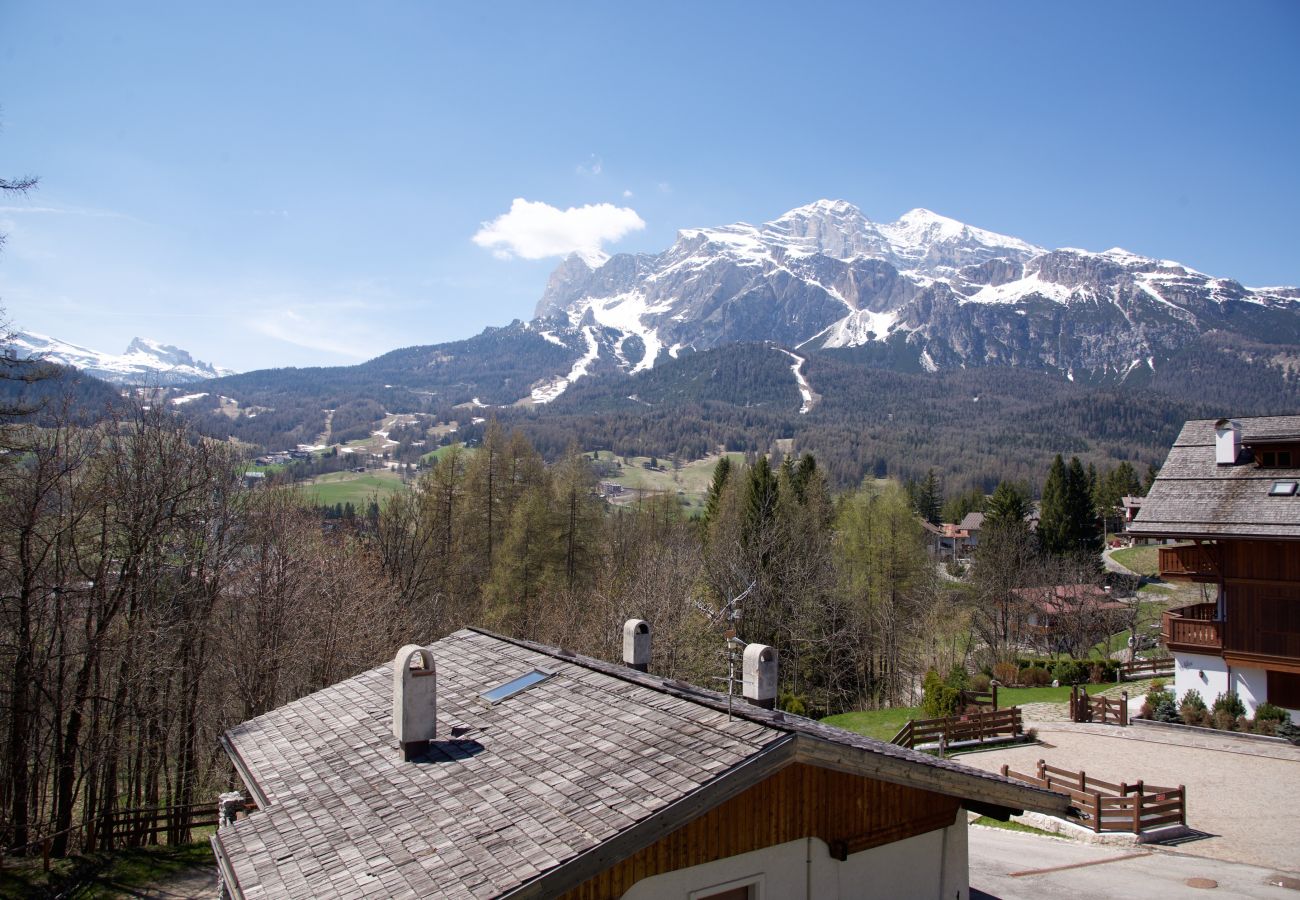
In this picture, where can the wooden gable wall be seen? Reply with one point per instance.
(848, 812)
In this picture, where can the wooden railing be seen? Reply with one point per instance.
(1098, 710)
(1161, 666)
(1192, 626)
(1192, 562)
(1103, 806)
(124, 828)
(987, 698)
(978, 726)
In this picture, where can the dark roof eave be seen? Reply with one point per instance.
(1191, 534)
(227, 871)
(245, 771)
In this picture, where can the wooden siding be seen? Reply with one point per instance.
(848, 812)
(1261, 560)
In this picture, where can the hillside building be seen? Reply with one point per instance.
(1230, 490)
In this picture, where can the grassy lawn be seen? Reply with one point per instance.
(1010, 826)
(1143, 559)
(691, 477)
(120, 873)
(444, 450)
(351, 487)
(876, 723)
(1020, 696)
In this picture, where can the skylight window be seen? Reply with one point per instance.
(515, 685)
(1283, 489)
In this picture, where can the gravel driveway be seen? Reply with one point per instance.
(1243, 798)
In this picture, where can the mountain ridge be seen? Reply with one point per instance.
(144, 362)
(823, 275)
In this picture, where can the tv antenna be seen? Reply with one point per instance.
(735, 646)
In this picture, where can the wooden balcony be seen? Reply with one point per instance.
(1190, 562)
(1192, 629)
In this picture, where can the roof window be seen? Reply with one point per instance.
(1274, 459)
(1283, 489)
(495, 695)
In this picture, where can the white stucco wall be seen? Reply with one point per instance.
(1208, 675)
(929, 865)
(1251, 685)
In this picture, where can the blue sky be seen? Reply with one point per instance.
(302, 184)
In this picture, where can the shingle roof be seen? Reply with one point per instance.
(1193, 496)
(973, 521)
(590, 761)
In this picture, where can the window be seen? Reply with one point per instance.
(495, 695)
(1275, 459)
(1284, 689)
(747, 888)
(1283, 489)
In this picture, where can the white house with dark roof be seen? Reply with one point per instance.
(1230, 489)
(482, 766)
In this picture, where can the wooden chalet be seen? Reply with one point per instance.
(495, 767)
(1231, 490)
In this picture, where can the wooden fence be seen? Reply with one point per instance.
(125, 828)
(987, 698)
(977, 726)
(1148, 668)
(1103, 806)
(1101, 710)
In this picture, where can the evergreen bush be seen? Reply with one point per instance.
(1267, 712)
(1229, 703)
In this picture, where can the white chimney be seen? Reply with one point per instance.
(415, 700)
(1227, 442)
(636, 644)
(759, 675)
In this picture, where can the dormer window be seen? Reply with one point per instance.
(1274, 459)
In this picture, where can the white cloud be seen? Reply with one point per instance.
(314, 332)
(593, 166)
(627, 194)
(535, 230)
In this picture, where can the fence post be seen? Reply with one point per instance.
(1123, 710)
(1042, 770)
(1005, 769)
(1182, 806)
(1096, 809)
(994, 688)
(1137, 814)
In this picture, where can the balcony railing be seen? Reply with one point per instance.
(1192, 627)
(1192, 562)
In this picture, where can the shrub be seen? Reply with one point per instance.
(792, 703)
(1193, 699)
(1285, 729)
(1265, 726)
(1224, 720)
(1096, 673)
(1229, 703)
(1155, 696)
(1067, 671)
(1267, 712)
(1005, 672)
(980, 682)
(940, 698)
(1242, 724)
(1033, 676)
(1165, 711)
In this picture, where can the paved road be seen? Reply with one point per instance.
(1103, 873)
(1241, 795)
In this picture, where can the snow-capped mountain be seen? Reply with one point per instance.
(825, 276)
(145, 361)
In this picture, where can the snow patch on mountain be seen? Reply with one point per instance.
(548, 391)
(145, 362)
(805, 389)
